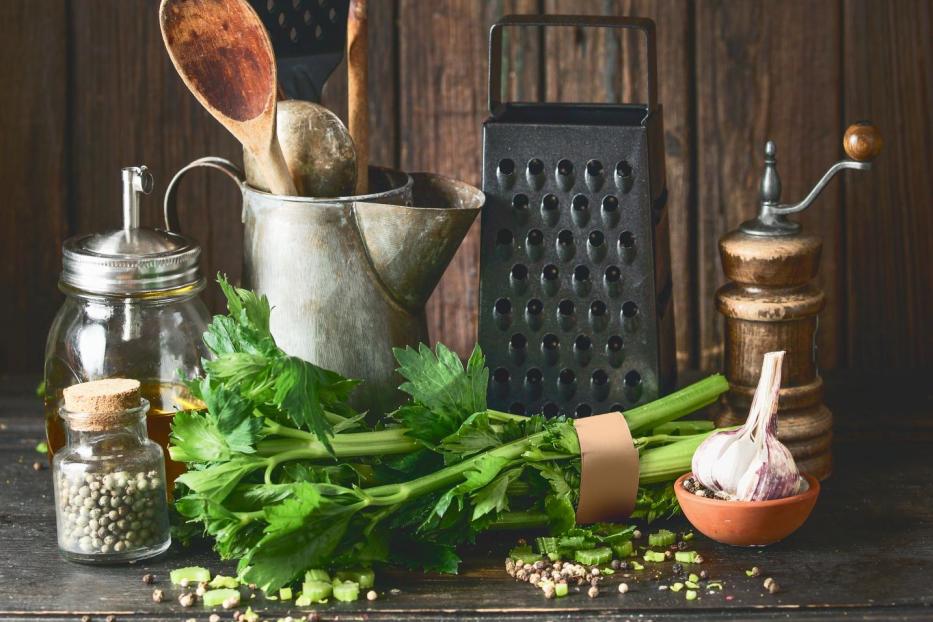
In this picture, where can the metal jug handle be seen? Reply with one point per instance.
(223, 165)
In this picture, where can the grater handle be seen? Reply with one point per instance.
(496, 105)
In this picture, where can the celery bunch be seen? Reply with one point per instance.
(285, 476)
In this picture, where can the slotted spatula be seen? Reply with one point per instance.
(308, 37)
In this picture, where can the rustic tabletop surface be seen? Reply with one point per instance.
(865, 553)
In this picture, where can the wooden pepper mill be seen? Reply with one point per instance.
(771, 304)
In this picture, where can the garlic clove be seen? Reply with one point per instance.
(708, 455)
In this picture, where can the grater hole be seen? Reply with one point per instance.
(565, 238)
(550, 272)
(550, 410)
(281, 20)
(550, 203)
(270, 5)
(565, 168)
(581, 273)
(582, 343)
(623, 169)
(627, 239)
(534, 376)
(518, 341)
(535, 166)
(506, 166)
(501, 375)
(308, 17)
(594, 168)
(519, 272)
(296, 4)
(597, 238)
(504, 237)
(550, 342)
(565, 307)
(332, 15)
(632, 379)
(535, 237)
(598, 308)
(599, 378)
(566, 376)
(503, 306)
(583, 410)
(517, 408)
(629, 309)
(580, 203)
(614, 344)
(520, 202)
(613, 274)
(534, 307)
(610, 203)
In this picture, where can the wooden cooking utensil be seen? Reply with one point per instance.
(223, 54)
(357, 98)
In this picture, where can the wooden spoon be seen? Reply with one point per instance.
(223, 54)
(357, 96)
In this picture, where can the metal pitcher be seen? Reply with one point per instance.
(348, 277)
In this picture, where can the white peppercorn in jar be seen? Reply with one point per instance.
(109, 479)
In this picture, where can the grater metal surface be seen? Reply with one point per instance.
(576, 315)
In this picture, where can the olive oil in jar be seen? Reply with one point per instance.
(165, 399)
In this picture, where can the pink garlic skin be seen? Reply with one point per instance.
(711, 451)
(775, 476)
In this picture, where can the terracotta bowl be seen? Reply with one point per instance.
(747, 523)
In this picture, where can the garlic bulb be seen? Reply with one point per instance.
(751, 464)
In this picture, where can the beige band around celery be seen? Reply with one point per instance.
(609, 469)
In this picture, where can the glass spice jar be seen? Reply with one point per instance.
(109, 479)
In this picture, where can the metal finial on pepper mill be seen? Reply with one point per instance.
(771, 304)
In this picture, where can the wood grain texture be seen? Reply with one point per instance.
(866, 552)
(766, 71)
(33, 171)
(888, 54)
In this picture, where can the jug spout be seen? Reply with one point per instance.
(410, 247)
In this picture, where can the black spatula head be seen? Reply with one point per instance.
(309, 38)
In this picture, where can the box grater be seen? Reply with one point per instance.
(576, 314)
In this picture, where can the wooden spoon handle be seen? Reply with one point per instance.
(357, 99)
(275, 170)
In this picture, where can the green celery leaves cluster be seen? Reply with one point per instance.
(285, 476)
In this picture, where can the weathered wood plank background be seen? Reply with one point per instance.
(88, 89)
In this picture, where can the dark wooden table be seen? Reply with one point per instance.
(865, 553)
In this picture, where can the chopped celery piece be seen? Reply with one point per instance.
(636, 566)
(553, 556)
(524, 554)
(215, 598)
(623, 549)
(687, 537)
(302, 601)
(547, 546)
(346, 591)
(654, 556)
(691, 595)
(572, 542)
(316, 591)
(192, 574)
(714, 585)
(316, 574)
(688, 557)
(662, 538)
(224, 581)
(285, 593)
(691, 584)
(364, 576)
(677, 587)
(693, 577)
(608, 571)
(560, 590)
(593, 557)
(250, 616)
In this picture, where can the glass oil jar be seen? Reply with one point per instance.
(109, 479)
(132, 309)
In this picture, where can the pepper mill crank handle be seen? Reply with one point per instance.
(793, 208)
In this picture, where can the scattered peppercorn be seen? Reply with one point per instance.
(615, 564)
(111, 618)
(549, 591)
(37, 466)
(754, 572)
(772, 586)
(593, 592)
(158, 596)
(371, 595)
(623, 588)
(187, 599)
(149, 578)
(213, 618)
(314, 616)
(703, 574)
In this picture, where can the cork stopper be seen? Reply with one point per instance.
(100, 404)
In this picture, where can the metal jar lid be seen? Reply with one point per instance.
(131, 260)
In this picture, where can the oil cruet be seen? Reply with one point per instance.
(131, 310)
